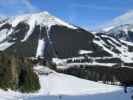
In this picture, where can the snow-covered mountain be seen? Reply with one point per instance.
(23, 28)
(120, 27)
(71, 49)
(123, 32)
(43, 35)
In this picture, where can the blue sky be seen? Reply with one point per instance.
(85, 13)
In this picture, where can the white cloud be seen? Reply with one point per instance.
(15, 7)
(126, 18)
(29, 5)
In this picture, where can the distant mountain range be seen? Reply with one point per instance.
(122, 32)
(120, 27)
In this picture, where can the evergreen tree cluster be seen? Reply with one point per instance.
(114, 75)
(17, 73)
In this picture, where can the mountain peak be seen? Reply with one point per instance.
(42, 18)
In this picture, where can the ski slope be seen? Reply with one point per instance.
(56, 86)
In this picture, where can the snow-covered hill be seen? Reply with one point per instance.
(56, 86)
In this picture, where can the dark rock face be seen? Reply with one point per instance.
(130, 36)
(122, 35)
(68, 42)
(27, 48)
(19, 31)
(65, 42)
(5, 26)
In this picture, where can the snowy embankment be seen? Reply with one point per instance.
(56, 86)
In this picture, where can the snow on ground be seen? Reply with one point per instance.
(127, 42)
(61, 84)
(113, 39)
(108, 28)
(5, 45)
(101, 44)
(40, 48)
(70, 65)
(42, 18)
(125, 55)
(58, 61)
(81, 52)
(56, 86)
(3, 34)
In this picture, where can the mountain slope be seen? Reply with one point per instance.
(21, 28)
(123, 32)
(43, 35)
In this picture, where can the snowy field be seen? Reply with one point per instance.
(56, 86)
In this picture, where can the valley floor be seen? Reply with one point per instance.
(56, 86)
